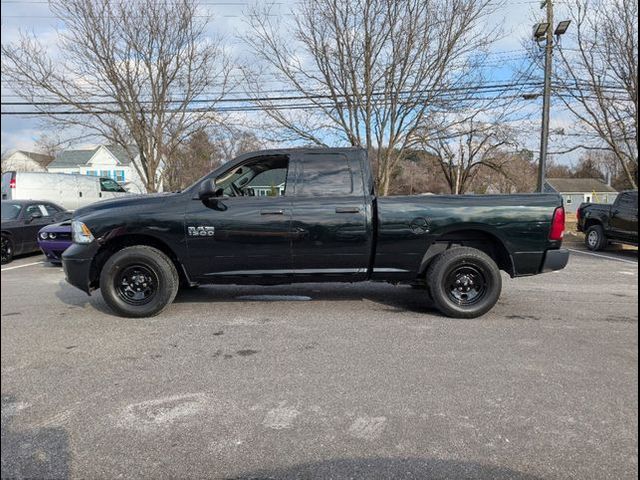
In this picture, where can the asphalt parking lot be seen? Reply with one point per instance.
(324, 381)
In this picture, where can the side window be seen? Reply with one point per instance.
(324, 175)
(628, 201)
(258, 177)
(270, 183)
(51, 210)
(109, 185)
(35, 210)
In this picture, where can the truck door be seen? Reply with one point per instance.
(331, 234)
(246, 231)
(624, 217)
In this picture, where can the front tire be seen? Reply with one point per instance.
(595, 238)
(139, 281)
(464, 282)
(7, 250)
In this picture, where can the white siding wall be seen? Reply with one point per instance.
(19, 162)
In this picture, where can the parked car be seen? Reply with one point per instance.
(71, 191)
(603, 224)
(54, 239)
(325, 225)
(21, 221)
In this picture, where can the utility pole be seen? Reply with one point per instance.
(546, 99)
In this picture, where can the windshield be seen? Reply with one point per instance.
(10, 211)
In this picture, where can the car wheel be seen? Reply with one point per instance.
(7, 250)
(139, 281)
(595, 239)
(464, 282)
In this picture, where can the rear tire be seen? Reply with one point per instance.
(464, 282)
(7, 249)
(595, 238)
(139, 281)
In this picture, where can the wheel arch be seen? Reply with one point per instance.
(475, 237)
(129, 240)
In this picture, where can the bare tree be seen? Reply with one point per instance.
(127, 72)
(598, 77)
(467, 148)
(367, 72)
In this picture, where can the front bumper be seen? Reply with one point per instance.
(555, 260)
(53, 250)
(76, 262)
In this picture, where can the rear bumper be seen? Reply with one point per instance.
(76, 262)
(555, 260)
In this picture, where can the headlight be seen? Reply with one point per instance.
(44, 235)
(81, 233)
(52, 236)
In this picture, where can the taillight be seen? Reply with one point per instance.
(12, 182)
(557, 225)
(578, 215)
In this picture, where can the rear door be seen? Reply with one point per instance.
(330, 231)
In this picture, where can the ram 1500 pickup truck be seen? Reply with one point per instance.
(310, 215)
(617, 223)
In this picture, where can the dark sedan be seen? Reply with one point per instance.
(21, 221)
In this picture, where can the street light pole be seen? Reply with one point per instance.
(546, 99)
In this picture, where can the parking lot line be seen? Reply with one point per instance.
(21, 266)
(603, 256)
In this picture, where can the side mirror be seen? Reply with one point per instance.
(209, 189)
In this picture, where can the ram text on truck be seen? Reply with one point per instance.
(310, 215)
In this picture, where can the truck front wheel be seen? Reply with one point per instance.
(464, 282)
(139, 281)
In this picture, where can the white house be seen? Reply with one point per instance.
(574, 191)
(23, 161)
(103, 161)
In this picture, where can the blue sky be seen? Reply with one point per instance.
(507, 55)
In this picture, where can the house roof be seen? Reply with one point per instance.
(579, 185)
(40, 158)
(74, 158)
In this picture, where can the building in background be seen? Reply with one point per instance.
(23, 161)
(101, 161)
(575, 191)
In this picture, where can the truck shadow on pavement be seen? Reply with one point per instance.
(32, 453)
(383, 297)
(389, 468)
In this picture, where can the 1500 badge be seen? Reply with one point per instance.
(201, 231)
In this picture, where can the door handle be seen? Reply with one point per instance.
(347, 209)
(271, 212)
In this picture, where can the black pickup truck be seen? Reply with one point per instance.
(310, 215)
(617, 223)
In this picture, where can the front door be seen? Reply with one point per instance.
(240, 234)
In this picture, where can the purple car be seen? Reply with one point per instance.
(55, 239)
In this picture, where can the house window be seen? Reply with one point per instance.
(119, 176)
(569, 200)
(106, 173)
(92, 173)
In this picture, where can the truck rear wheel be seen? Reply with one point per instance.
(595, 238)
(139, 281)
(464, 282)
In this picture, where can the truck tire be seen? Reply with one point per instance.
(464, 282)
(595, 238)
(139, 281)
